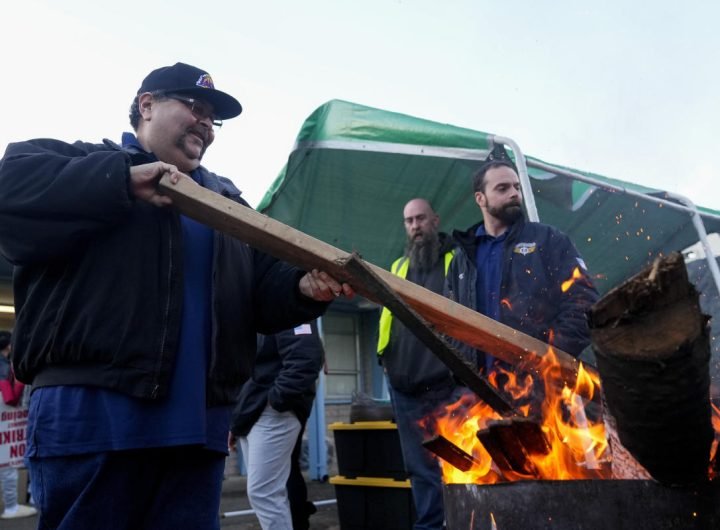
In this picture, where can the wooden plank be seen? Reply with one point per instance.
(531, 436)
(506, 450)
(451, 453)
(307, 252)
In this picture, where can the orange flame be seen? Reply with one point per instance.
(714, 447)
(576, 275)
(715, 417)
(578, 444)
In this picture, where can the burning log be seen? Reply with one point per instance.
(652, 347)
(451, 453)
(510, 442)
(532, 436)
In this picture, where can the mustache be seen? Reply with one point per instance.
(201, 132)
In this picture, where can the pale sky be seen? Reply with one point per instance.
(629, 90)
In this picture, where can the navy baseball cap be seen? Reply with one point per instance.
(182, 78)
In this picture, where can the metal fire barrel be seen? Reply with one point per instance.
(581, 505)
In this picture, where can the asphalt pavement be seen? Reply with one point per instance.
(234, 499)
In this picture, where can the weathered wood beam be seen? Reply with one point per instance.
(307, 252)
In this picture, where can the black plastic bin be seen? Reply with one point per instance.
(367, 503)
(368, 449)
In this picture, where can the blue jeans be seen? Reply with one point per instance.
(421, 464)
(169, 488)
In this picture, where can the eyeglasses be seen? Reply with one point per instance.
(200, 109)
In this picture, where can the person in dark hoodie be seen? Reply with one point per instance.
(513, 271)
(268, 421)
(136, 325)
(419, 382)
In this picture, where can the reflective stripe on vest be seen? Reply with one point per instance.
(399, 268)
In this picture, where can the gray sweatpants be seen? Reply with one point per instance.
(9, 482)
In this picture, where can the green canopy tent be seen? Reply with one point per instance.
(354, 167)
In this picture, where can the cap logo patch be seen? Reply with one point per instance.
(525, 248)
(205, 81)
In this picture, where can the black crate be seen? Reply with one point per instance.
(366, 503)
(368, 449)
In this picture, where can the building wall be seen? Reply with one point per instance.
(7, 315)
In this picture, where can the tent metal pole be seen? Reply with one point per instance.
(700, 228)
(687, 206)
(613, 188)
(525, 185)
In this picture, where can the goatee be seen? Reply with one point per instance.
(424, 252)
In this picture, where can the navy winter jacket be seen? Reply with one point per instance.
(98, 276)
(537, 259)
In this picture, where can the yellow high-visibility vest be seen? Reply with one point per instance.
(399, 268)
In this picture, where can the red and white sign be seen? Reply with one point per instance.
(13, 425)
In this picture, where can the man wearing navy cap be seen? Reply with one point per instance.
(136, 325)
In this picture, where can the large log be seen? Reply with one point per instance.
(302, 250)
(652, 346)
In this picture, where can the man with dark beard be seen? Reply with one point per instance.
(418, 381)
(512, 271)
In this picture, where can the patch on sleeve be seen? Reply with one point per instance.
(581, 263)
(303, 329)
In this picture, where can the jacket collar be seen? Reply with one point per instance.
(468, 240)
